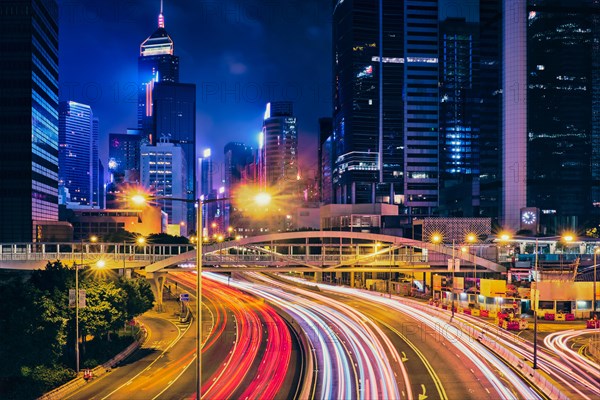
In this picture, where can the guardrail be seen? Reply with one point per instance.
(476, 334)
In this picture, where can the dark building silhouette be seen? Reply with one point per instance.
(368, 46)
(175, 120)
(28, 118)
(563, 118)
(325, 162)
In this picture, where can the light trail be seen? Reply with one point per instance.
(250, 315)
(357, 351)
(472, 349)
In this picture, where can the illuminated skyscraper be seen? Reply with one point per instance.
(28, 117)
(156, 63)
(163, 171)
(280, 149)
(75, 141)
(175, 120)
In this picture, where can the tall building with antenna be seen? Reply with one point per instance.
(156, 63)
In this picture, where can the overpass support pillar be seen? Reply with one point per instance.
(351, 279)
(318, 277)
(338, 278)
(157, 282)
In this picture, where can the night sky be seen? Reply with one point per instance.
(240, 54)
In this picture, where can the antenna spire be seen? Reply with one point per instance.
(161, 18)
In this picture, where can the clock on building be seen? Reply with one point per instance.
(528, 217)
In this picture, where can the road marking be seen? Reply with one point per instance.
(404, 358)
(423, 396)
(487, 390)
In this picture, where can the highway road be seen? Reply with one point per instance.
(503, 379)
(247, 353)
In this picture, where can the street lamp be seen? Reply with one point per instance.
(436, 238)
(472, 238)
(596, 251)
(99, 264)
(536, 298)
(568, 238)
(261, 199)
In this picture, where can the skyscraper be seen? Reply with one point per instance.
(459, 118)
(156, 63)
(124, 154)
(96, 164)
(421, 140)
(237, 157)
(75, 141)
(206, 173)
(368, 108)
(174, 114)
(280, 151)
(28, 117)
(325, 163)
(163, 171)
(562, 117)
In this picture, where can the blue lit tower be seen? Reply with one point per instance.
(28, 117)
(75, 139)
(156, 63)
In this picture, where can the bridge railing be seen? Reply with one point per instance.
(314, 259)
(77, 251)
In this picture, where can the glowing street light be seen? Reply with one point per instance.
(261, 199)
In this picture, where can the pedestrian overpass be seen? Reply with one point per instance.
(316, 252)
(306, 251)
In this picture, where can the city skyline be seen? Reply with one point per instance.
(236, 54)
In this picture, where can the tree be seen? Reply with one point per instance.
(164, 238)
(105, 309)
(138, 296)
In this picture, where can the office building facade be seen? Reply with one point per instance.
(368, 108)
(280, 150)
(28, 117)
(75, 147)
(175, 121)
(563, 121)
(163, 172)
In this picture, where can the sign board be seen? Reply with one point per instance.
(72, 298)
(437, 282)
(184, 297)
(455, 264)
(493, 287)
(82, 297)
(459, 284)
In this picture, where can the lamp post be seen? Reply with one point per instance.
(436, 239)
(100, 264)
(536, 297)
(596, 251)
(453, 279)
(260, 199)
(472, 238)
